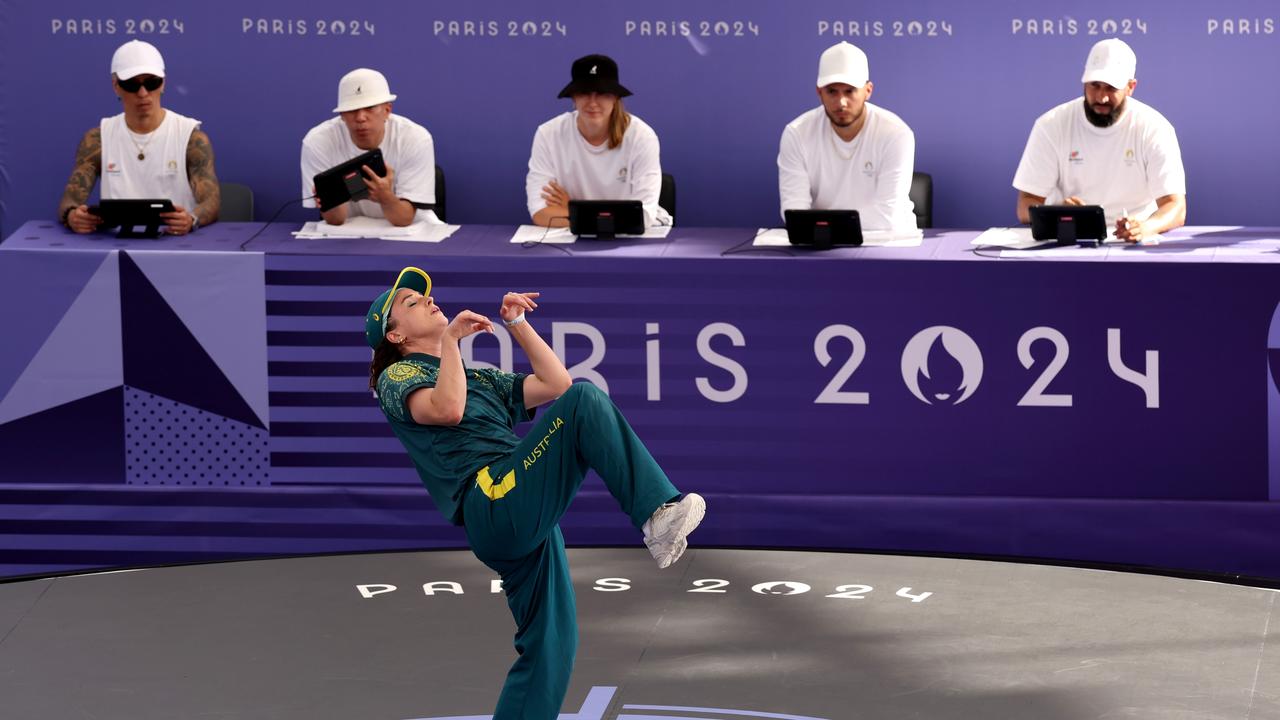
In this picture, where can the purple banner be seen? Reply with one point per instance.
(924, 399)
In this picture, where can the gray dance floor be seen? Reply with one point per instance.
(723, 635)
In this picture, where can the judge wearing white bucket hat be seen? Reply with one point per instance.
(365, 121)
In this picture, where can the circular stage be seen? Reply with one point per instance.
(723, 635)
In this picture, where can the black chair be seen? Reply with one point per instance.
(667, 195)
(440, 194)
(922, 196)
(237, 202)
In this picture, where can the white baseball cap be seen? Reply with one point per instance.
(1111, 61)
(362, 88)
(137, 58)
(843, 63)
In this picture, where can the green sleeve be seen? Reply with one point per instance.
(510, 387)
(397, 382)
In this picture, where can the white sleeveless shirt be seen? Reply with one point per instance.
(163, 171)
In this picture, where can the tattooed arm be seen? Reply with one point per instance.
(204, 183)
(204, 186)
(72, 210)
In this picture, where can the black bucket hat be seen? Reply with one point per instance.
(594, 73)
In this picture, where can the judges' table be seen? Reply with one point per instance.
(206, 396)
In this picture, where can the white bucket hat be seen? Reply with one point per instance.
(137, 58)
(362, 88)
(1111, 61)
(843, 63)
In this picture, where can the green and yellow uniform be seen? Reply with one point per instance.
(510, 494)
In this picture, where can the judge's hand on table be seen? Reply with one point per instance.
(82, 221)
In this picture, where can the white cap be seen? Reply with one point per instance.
(843, 63)
(137, 58)
(362, 88)
(1111, 61)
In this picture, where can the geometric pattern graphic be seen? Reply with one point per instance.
(326, 428)
(77, 443)
(161, 355)
(121, 330)
(151, 321)
(171, 443)
(219, 299)
(80, 355)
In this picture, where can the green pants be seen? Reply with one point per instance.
(512, 513)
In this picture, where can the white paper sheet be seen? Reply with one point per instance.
(561, 236)
(1012, 238)
(777, 237)
(1019, 238)
(367, 227)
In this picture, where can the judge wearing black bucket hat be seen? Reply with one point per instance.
(594, 73)
(598, 151)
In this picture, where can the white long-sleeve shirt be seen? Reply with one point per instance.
(631, 171)
(871, 174)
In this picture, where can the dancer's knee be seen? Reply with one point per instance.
(585, 394)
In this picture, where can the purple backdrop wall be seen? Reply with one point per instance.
(718, 86)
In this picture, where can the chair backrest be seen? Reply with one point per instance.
(440, 194)
(922, 195)
(237, 202)
(667, 195)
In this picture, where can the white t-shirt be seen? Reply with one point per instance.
(1123, 168)
(162, 173)
(631, 171)
(871, 174)
(406, 147)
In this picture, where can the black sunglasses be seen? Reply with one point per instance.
(132, 85)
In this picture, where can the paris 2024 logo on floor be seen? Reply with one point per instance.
(596, 707)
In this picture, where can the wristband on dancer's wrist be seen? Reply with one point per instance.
(514, 321)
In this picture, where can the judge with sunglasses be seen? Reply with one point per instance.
(144, 152)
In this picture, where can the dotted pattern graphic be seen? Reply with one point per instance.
(171, 443)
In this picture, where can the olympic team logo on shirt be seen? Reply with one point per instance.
(1075, 158)
(868, 169)
(622, 175)
(596, 707)
(1129, 157)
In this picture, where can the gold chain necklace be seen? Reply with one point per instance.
(142, 155)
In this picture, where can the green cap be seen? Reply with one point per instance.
(375, 323)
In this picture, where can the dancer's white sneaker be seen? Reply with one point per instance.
(666, 532)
